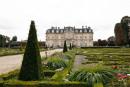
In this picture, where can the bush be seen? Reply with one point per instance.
(44, 84)
(65, 47)
(49, 73)
(92, 76)
(1, 84)
(56, 63)
(10, 75)
(31, 65)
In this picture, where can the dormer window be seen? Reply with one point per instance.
(89, 30)
(76, 31)
(52, 31)
(61, 31)
(85, 30)
(57, 31)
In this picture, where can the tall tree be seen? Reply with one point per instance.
(70, 47)
(3, 40)
(31, 65)
(14, 38)
(65, 47)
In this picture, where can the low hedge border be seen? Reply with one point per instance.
(9, 75)
(42, 84)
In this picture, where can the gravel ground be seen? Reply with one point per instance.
(9, 63)
(79, 59)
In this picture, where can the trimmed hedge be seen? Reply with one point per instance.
(43, 84)
(48, 73)
(10, 75)
(1, 84)
(102, 47)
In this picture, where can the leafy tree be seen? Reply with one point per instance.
(14, 38)
(31, 65)
(3, 40)
(65, 47)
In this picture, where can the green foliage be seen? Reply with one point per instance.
(14, 38)
(65, 47)
(56, 63)
(60, 76)
(8, 51)
(10, 75)
(3, 40)
(42, 84)
(70, 47)
(31, 65)
(92, 76)
(48, 73)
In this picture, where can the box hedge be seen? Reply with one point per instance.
(43, 84)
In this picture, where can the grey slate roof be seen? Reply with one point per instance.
(70, 29)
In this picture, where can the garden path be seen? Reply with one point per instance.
(79, 59)
(9, 63)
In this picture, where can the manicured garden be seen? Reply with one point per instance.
(88, 67)
(58, 69)
(115, 59)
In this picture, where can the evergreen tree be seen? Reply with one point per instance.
(65, 47)
(70, 47)
(31, 65)
(14, 38)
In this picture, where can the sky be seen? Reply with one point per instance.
(100, 15)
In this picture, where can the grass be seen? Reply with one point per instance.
(107, 57)
(9, 51)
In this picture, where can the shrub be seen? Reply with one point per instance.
(31, 65)
(10, 75)
(70, 47)
(65, 47)
(55, 63)
(49, 73)
(92, 76)
(43, 84)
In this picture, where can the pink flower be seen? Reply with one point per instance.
(125, 76)
(119, 75)
(114, 67)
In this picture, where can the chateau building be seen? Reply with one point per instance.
(78, 37)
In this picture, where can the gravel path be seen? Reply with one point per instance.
(79, 59)
(9, 63)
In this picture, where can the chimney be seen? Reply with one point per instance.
(82, 27)
(74, 27)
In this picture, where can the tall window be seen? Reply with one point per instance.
(80, 31)
(52, 31)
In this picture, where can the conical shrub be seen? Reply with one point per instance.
(31, 65)
(70, 47)
(65, 47)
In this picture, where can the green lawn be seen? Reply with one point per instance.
(106, 56)
(116, 59)
(9, 51)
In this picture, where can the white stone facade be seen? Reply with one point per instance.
(78, 37)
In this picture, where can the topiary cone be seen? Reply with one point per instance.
(31, 64)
